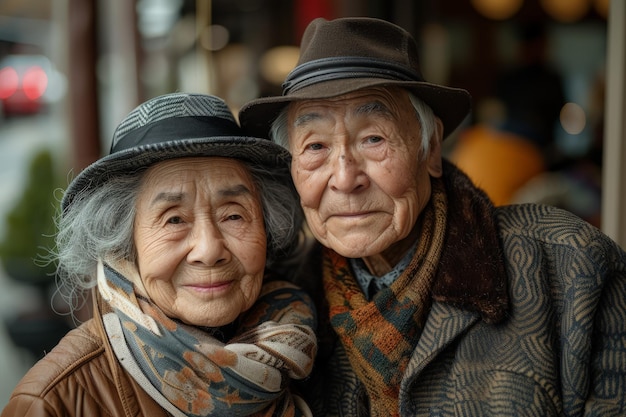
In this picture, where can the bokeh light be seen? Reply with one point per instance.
(277, 62)
(573, 118)
(566, 11)
(497, 9)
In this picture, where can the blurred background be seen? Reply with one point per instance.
(70, 70)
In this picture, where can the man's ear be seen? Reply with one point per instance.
(435, 167)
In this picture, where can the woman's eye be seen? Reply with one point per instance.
(175, 220)
(234, 217)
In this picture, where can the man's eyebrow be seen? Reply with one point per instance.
(305, 118)
(373, 107)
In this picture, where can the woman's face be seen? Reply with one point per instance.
(200, 239)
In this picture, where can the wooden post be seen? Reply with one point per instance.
(82, 83)
(614, 158)
(204, 58)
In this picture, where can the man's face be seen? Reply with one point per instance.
(358, 168)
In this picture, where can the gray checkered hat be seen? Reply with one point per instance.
(175, 126)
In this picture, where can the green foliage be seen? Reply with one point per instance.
(30, 225)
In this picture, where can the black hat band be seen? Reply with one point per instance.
(177, 128)
(327, 69)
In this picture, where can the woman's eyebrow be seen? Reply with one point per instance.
(234, 191)
(169, 197)
(177, 197)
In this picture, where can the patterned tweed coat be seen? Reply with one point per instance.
(552, 344)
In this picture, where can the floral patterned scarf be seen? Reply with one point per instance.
(191, 373)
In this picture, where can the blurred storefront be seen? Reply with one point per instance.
(111, 55)
(107, 56)
(117, 53)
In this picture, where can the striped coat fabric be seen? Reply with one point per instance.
(559, 351)
(562, 349)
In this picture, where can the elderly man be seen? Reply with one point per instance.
(436, 303)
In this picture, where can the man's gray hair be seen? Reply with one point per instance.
(99, 224)
(279, 132)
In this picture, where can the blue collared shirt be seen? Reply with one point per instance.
(370, 284)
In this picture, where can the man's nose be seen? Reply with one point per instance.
(207, 245)
(347, 172)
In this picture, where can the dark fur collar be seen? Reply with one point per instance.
(472, 274)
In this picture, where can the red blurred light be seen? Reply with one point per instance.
(34, 82)
(9, 82)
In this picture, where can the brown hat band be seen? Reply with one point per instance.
(326, 69)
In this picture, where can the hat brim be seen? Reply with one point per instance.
(450, 105)
(254, 150)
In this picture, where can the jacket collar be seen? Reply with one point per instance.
(472, 273)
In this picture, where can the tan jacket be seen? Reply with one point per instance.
(81, 377)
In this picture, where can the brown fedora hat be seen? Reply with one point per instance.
(347, 54)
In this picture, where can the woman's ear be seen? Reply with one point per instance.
(435, 167)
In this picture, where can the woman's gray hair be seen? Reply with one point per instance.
(99, 224)
(279, 131)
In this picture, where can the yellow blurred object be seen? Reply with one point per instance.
(497, 9)
(566, 11)
(498, 162)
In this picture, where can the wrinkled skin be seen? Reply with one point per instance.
(200, 239)
(358, 168)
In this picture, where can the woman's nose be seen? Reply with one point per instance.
(207, 245)
(347, 172)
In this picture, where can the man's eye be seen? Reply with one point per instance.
(315, 146)
(234, 217)
(374, 139)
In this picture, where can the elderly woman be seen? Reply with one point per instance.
(178, 231)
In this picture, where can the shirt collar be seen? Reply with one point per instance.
(364, 278)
